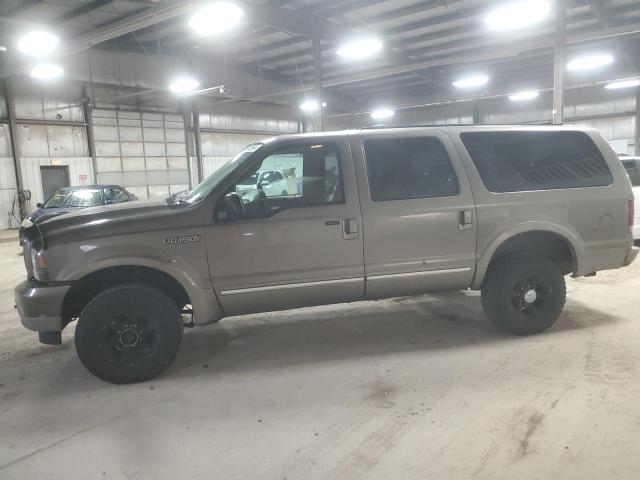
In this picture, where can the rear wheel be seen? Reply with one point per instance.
(524, 294)
(129, 333)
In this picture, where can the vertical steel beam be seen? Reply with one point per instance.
(188, 140)
(317, 75)
(196, 137)
(87, 113)
(558, 65)
(638, 124)
(476, 113)
(15, 145)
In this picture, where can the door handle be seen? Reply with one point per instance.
(465, 219)
(350, 228)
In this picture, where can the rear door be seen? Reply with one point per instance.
(418, 213)
(308, 250)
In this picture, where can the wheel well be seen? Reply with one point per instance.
(86, 288)
(547, 244)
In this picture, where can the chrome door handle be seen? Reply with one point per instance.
(350, 228)
(465, 219)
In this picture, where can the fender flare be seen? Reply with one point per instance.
(205, 304)
(485, 257)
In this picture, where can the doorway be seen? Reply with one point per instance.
(53, 179)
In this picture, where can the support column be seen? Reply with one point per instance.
(476, 113)
(317, 73)
(637, 146)
(15, 146)
(198, 144)
(87, 113)
(559, 64)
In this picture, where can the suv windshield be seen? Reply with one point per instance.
(75, 198)
(213, 180)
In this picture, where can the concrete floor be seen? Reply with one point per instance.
(408, 388)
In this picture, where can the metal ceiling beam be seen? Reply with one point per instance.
(509, 51)
(626, 48)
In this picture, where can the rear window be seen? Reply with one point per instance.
(523, 161)
(633, 170)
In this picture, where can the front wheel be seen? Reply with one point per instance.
(129, 333)
(524, 294)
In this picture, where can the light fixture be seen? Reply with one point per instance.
(309, 105)
(590, 62)
(524, 95)
(38, 43)
(471, 82)
(46, 71)
(215, 18)
(619, 84)
(360, 49)
(382, 113)
(183, 85)
(518, 14)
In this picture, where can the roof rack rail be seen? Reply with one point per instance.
(440, 125)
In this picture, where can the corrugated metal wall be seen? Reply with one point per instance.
(611, 112)
(144, 152)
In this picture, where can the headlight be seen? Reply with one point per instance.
(26, 223)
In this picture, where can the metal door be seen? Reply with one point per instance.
(309, 255)
(53, 179)
(416, 245)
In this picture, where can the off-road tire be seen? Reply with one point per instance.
(504, 294)
(129, 333)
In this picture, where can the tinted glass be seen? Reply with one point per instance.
(75, 198)
(405, 168)
(110, 196)
(633, 170)
(522, 161)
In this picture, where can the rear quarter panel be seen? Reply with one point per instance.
(593, 220)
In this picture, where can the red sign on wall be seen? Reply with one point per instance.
(84, 179)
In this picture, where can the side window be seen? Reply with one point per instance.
(633, 170)
(109, 196)
(544, 160)
(121, 195)
(294, 176)
(408, 168)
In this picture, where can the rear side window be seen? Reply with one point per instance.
(522, 161)
(633, 170)
(406, 168)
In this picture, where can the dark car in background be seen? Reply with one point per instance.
(70, 199)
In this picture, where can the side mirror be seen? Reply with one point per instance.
(39, 205)
(232, 207)
(265, 183)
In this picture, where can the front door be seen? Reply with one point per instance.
(418, 213)
(53, 179)
(295, 245)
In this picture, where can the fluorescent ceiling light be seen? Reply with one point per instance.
(590, 62)
(184, 85)
(471, 82)
(360, 49)
(309, 106)
(46, 71)
(524, 95)
(38, 43)
(518, 14)
(382, 114)
(618, 84)
(217, 17)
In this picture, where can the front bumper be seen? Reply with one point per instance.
(631, 256)
(40, 305)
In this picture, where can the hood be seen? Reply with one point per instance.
(42, 214)
(117, 219)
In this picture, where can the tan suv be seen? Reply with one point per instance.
(361, 214)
